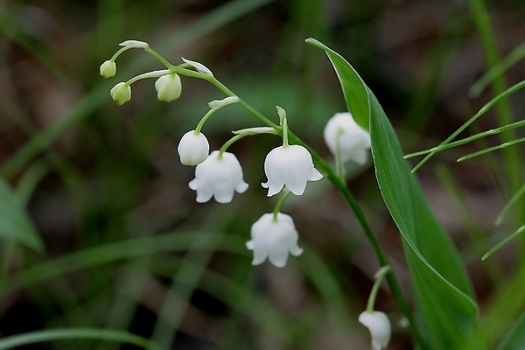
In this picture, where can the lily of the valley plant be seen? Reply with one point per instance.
(288, 167)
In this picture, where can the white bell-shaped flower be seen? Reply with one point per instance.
(121, 93)
(273, 239)
(169, 87)
(219, 178)
(193, 148)
(108, 69)
(344, 136)
(379, 326)
(289, 166)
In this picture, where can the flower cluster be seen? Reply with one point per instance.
(219, 174)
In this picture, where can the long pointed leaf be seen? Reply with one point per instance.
(442, 290)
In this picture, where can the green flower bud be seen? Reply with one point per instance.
(108, 69)
(121, 93)
(168, 87)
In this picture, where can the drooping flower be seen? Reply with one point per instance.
(218, 177)
(379, 326)
(344, 136)
(289, 166)
(108, 69)
(193, 148)
(121, 93)
(273, 239)
(169, 87)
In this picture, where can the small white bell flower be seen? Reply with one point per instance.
(342, 134)
(273, 239)
(108, 69)
(169, 87)
(218, 177)
(289, 166)
(121, 93)
(193, 148)
(379, 326)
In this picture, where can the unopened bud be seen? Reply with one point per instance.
(121, 93)
(108, 69)
(168, 87)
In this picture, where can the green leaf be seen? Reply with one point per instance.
(515, 338)
(354, 88)
(14, 223)
(442, 291)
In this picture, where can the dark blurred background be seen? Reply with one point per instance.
(94, 173)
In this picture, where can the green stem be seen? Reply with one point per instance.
(375, 288)
(148, 75)
(158, 57)
(229, 143)
(280, 203)
(119, 52)
(204, 119)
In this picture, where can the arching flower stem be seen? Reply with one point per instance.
(280, 204)
(239, 134)
(229, 143)
(204, 119)
(119, 52)
(284, 125)
(149, 75)
(375, 288)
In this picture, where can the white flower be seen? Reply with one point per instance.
(290, 166)
(379, 327)
(108, 69)
(198, 66)
(169, 87)
(342, 134)
(134, 44)
(218, 177)
(193, 148)
(273, 239)
(121, 93)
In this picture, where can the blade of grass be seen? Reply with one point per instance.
(503, 242)
(511, 59)
(512, 162)
(76, 334)
(113, 252)
(467, 139)
(482, 111)
(510, 203)
(490, 149)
